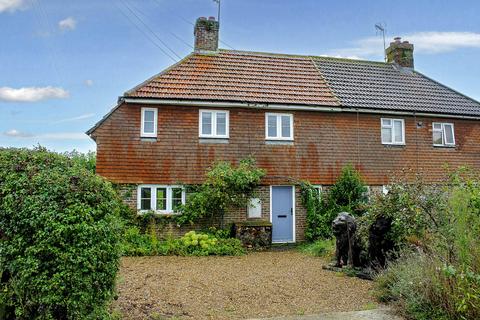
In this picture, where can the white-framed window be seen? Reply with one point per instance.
(213, 124)
(385, 189)
(443, 134)
(158, 198)
(393, 131)
(318, 190)
(254, 208)
(278, 126)
(149, 122)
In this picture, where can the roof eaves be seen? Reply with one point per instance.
(105, 117)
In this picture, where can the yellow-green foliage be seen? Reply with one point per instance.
(203, 241)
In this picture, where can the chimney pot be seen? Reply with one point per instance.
(400, 53)
(206, 35)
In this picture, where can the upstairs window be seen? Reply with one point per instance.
(443, 134)
(213, 124)
(278, 126)
(161, 199)
(149, 123)
(393, 131)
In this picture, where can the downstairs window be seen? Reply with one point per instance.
(161, 199)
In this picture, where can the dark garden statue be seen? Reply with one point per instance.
(348, 248)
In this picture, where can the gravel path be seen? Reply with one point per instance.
(257, 285)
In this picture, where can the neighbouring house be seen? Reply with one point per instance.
(300, 117)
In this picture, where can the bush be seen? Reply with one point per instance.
(347, 194)
(192, 243)
(440, 279)
(59, 251)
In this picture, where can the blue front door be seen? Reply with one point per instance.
(282, 214)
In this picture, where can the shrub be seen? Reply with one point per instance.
(441, 278)
(192, 243)
(347, 194)
(58, 237)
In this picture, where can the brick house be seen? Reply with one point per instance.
(300, 117)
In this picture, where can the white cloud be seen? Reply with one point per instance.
(430, 42)
(11, 5)
(67, 24)
(89, 83)
(31, 94)
(47, 136)
(17, 134)
(80, 117)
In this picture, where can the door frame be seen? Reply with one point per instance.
(293, 209)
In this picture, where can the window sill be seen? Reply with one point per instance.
(394, 145)
(279, 142)
(160, 213)
(451, 146)
(148, 139)
(213, 140)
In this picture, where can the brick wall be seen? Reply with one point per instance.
(129, 196)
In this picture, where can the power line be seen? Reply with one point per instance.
(173, 34)
(144, 33)
(149, 29)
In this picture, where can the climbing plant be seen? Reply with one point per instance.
(347, 194)
(225, 186)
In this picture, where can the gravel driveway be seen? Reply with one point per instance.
(264, 284)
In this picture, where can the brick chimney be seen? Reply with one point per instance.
(206, 34)
(400, 53)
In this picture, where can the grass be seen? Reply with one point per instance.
(319, 248)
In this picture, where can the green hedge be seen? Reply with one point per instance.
(59, 234)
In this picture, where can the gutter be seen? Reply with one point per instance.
(266, 106)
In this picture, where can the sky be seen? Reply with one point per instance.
(64, 63)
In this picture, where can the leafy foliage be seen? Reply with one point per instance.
(225, 187)
(441, 278)
(59, 236)
(347, 194)
(136, 243)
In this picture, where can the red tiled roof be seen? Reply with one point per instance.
(240, 77)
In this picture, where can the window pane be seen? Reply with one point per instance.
(272, 126)
(146, 193)
(285, 126)
(387, 135)
(161, 199)
(148, 127)
(437, 137)
(176, 198)
(221, 123)
(149, 116)
(397, 126)
(448, 134)
(386, 122)
(145, 197)
(206, 123)
(437, 126)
